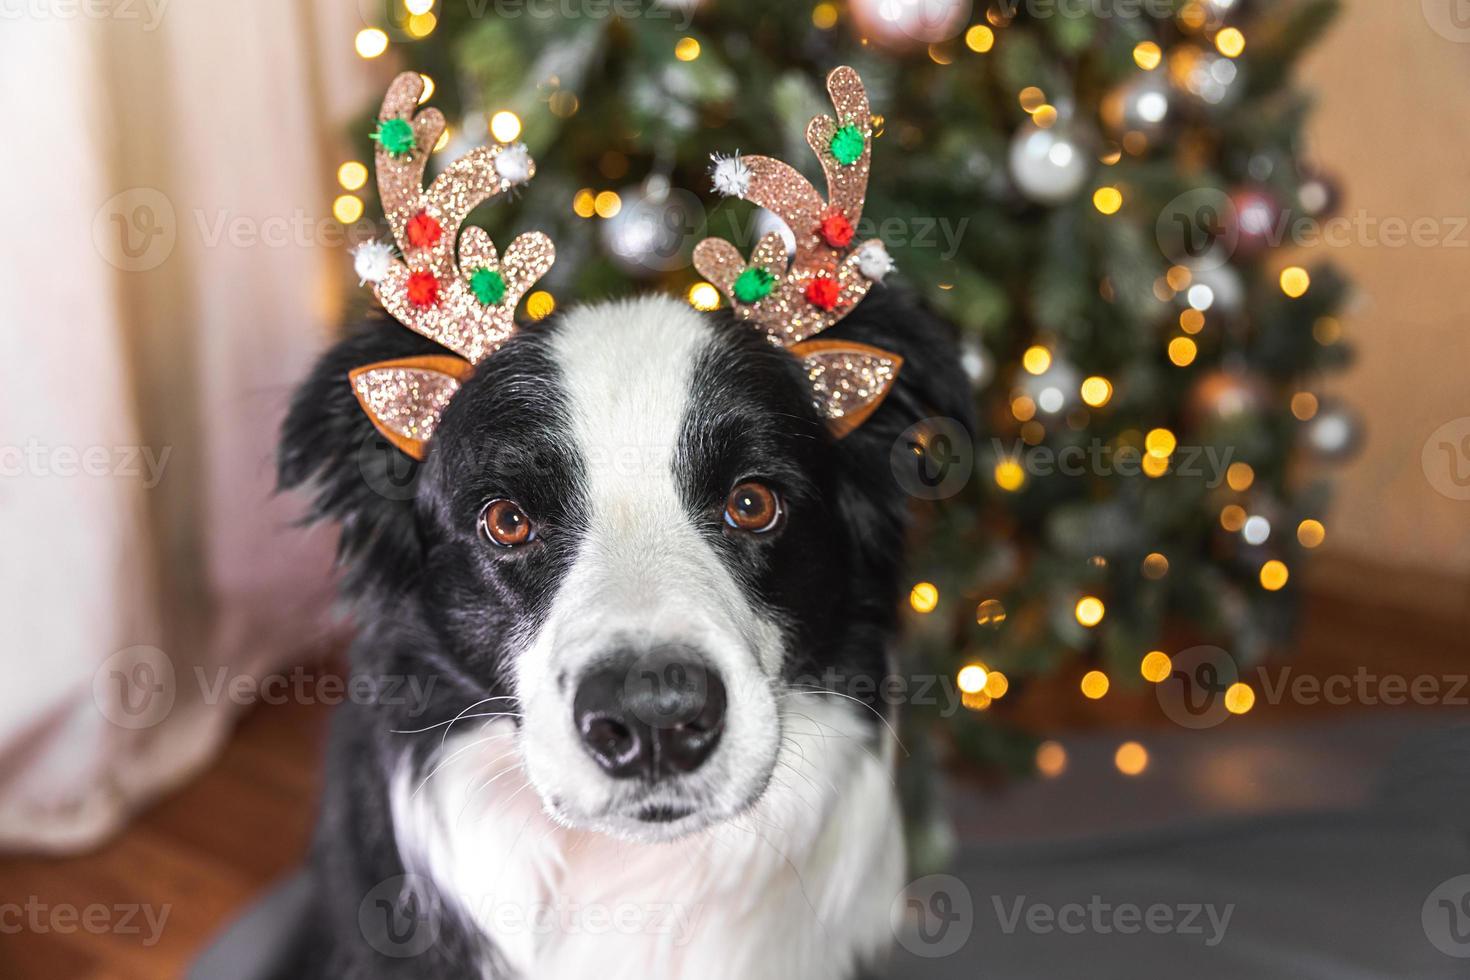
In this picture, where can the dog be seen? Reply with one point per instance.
(649, 589)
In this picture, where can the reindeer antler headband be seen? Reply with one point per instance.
(827, 277)
(450, 286)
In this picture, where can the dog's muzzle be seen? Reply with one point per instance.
(652, 716)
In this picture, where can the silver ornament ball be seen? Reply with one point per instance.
(1048, 166)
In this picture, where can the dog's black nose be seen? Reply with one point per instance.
(655, 715)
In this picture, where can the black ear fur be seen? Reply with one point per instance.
(931, 384)
(356, 477)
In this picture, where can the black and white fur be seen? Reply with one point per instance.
(620, 428)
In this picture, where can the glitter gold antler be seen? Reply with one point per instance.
(451, 287)
(827, 276)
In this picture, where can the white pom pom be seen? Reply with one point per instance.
(514, 163)
(874, 260)
(371, 261)
(730, 175)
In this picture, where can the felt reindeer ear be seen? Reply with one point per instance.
(453, 288)
(829, 273)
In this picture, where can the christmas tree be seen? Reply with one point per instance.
(1103, 197)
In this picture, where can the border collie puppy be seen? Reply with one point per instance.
(636, 554)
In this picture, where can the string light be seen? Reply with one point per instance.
(1148, 55)
(1089, 611)
(1097, 391)
(704, 296)
(370, 42)
(1179, 277)
(687, 49)
(1191, 321)
(347, 208)
(1131, 759)
(352, 175)
(972, 678)
(824, 16)
(1108, 200)
(1156, 666)
(1051, 759)
(540, 304)
(1009, 475)
(608, 204)
(1240, 476)
(1311, 533)
(1023, 408)
(1182, 351)
(1327, 331)
(1095, 685)
(1046, 117)
(980, 39)
(924, 597)
(1160, 443)
(421, 25)
(1032, 98)
(1230, 42)
(997, 684)
(991, 612)
(584, 203)
(1036, 359)
(1155, 466)
(1233, 517)
(1304, 406)
(505, 126)
(1295, 281)
(1155, 566)
(443, 139)
(1274, 575)
(418, 6)
(1239, 698)
(428, 92)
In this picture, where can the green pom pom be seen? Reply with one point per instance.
(754, 285)
(396, 136)
(847, 145)
(488, 286)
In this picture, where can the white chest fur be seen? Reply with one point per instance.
(799, 886)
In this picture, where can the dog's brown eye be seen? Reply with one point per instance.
(505, 524)
(752, 507)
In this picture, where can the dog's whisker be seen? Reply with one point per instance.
(451, 721)
(801, 690)
(456, 754)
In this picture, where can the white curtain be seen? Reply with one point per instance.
(167, 275)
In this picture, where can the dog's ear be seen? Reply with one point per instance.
(356, 474)
(931, 384)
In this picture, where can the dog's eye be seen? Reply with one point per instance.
(505, 524)
(752, 507)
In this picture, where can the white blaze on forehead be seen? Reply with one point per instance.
(628, 372)
(646, 572)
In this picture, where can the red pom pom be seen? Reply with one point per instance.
(837, 230)
(423, 289)
(423, 231)
(822, 293)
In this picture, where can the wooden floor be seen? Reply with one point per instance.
(200, 855)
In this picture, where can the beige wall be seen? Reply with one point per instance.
(1394, 122)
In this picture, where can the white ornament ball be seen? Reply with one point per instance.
(372, 261)
(1144, 105)
(1047, 165)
